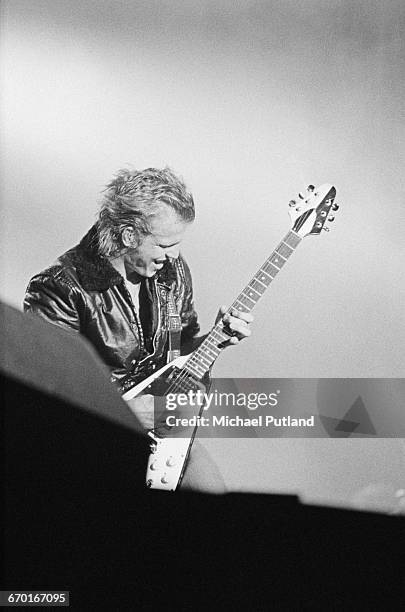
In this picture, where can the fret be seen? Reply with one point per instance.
(190, 370)
(243, 297)
(203, 358)
(199, 371)
(269, 267)
(256, 280)
(284, 250)
(221, 336)
(207, 356)
(239, 306)
(253, 287)
(257, 286)
(193, 369)
(209, 341)
(204, 361)
(277, 260)
(216, 333)
(212, 354)
(264, 276)
(292, 239)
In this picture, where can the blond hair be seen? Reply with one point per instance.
(132, 198)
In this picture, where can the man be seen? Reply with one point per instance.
(118, 285)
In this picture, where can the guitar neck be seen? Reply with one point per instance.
(203, 358)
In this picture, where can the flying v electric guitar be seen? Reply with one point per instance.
(169, 455)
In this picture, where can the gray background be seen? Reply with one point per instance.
(249, 101)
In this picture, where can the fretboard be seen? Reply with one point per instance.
(203, 358)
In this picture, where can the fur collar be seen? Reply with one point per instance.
(96, 273)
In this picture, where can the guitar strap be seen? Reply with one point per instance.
(173, 328)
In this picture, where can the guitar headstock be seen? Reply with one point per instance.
(309, 212)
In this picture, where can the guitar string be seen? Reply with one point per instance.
(184, 374)
(183, 377)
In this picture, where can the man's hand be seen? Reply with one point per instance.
(236, 322)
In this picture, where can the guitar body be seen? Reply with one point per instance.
(170, 446)
(163, 374)
(167, 462)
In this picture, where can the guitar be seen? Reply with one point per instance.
(169, 454)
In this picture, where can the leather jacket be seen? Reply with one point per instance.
(84, 293)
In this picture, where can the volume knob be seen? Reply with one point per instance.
(171, 462)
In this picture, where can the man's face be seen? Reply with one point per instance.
(167, 232)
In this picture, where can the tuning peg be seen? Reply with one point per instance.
(335, 206)
(301, 196)
(292, 203)
(310, 188)
(326, 228)
(331, 218)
